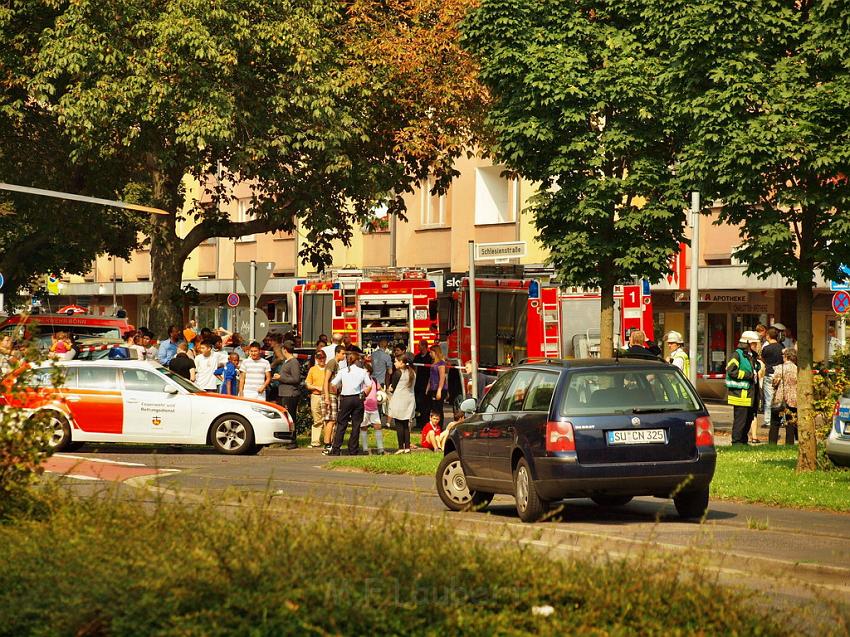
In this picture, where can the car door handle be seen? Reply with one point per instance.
(131, 400)
(72, 399)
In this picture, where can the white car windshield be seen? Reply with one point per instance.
(177, 378)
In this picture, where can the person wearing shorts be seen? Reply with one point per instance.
(330, 403)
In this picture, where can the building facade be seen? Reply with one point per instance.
(482, 205)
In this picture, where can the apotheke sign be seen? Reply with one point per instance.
(714, 297)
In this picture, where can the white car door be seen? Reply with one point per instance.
(155, 409)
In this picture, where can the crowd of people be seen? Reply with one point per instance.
(346, 388)
(761, 376)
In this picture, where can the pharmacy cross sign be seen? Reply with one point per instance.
(841, 302)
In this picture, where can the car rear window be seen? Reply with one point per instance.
(619, 391)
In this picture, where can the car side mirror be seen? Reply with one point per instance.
(469, 406)
(170, 389)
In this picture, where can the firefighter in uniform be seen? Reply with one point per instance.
(742, 386)
(678, 355)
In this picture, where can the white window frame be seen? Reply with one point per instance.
(427, 213)
(485, 203)
(244, 213)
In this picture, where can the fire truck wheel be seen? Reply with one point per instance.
(232, 434)
(452, 487)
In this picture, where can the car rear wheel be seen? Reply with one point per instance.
(453, 488)
(691, 504)
(530, 506)
(232, 434)
(611, 500)
(60, 432)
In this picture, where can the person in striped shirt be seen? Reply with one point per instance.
(256, 374)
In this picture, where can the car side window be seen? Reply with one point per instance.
(142, 380)
(515, 396)
(490, 404)
(540, 396)
(96, 378)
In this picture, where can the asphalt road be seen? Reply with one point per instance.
(787, 556)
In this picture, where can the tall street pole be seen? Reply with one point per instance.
(473, 321)
(694, 304)
(252, 301)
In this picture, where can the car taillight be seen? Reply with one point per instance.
(705, 431)
(836, 408)
(560, 436)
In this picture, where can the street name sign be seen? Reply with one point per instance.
(501, 250)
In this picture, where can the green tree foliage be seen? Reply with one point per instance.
(764, 90)
(38, 235)
(576, 107)
(295, 97)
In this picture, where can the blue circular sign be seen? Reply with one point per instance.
(841, 302)
(2, 281)
(233, 299)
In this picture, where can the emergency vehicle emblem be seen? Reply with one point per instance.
(156, 421)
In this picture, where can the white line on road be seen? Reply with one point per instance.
(103, 460)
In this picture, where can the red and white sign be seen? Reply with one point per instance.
(678, 277)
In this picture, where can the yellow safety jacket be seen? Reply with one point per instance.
(739, 380)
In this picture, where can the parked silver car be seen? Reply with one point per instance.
(838, 442)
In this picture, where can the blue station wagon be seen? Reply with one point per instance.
(605, 429)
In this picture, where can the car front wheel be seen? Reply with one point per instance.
(530, 506)
(453, 488)
(691, 504)
(232, 435)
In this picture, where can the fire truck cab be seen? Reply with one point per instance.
(399, 305)
(525, 318)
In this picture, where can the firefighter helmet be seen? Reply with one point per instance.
(675, 337)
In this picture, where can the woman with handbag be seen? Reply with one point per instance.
(784, 404)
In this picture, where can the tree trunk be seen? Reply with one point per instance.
(166, 277)
(807, 452)
(606, 314)
(166, 254)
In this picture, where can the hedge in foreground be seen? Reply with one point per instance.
(108, 567)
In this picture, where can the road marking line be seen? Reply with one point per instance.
(103, 460)
(75, 476)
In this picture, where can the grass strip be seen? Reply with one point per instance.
(108, 566)
(761, 474)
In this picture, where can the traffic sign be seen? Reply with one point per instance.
(2, 281)
(835, 286)
(233, 299)
(263, 271)
(841, 302)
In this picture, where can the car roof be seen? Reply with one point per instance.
(597, 363)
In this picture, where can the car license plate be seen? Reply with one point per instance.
(636, 436)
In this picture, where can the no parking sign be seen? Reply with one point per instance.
(233, 299)
(841, 302)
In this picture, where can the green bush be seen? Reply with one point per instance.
(24, 436)
(104, 566)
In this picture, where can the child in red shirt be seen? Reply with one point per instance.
(430, 432)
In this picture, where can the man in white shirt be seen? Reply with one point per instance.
(352, 381)
(206, 362)
(330, 350)
(256, 374)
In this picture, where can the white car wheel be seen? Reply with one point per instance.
(232, 435)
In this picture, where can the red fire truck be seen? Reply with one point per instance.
(400, 305)
(523, 318)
